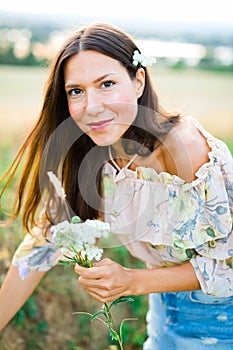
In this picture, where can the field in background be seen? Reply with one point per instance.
(46, 320)
(205, 95)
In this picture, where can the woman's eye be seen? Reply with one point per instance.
(74, 92)
(107, 84)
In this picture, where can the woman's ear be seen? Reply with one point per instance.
(140, 82)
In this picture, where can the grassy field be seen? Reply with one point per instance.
(46, 321)
(205, 95)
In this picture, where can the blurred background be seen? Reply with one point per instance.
(193, 44)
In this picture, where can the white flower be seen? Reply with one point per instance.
(143, 60)
(57, 185)
(81, 236)
(75, 238)
(93, 252)
(64, 250)
(102, 228)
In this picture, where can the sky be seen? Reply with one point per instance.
(183, 11)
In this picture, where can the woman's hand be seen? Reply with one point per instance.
(106, 280)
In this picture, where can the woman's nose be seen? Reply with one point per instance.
(94, 104)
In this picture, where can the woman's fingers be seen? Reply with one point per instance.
(104, 299)
(98, 279)
(104, 262)
(95, 272)
(104, 296)
(106, 281)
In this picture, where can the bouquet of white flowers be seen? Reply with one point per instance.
(77, 240)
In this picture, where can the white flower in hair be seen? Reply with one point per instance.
(143, 60)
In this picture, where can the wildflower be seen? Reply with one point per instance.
(139, 58)
(57, 185)
(66, 234)
(77, 240)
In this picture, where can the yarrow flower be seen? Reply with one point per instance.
(139, 58)
(76, 239)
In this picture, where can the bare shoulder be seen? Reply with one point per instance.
(185, 150)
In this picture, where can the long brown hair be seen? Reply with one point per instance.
(46, 146)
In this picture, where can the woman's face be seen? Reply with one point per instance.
(102, 98)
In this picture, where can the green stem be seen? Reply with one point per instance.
(109, 314)
(120, 342)
(110, 322)
(112, 325)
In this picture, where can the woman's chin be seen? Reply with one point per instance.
(106, 140)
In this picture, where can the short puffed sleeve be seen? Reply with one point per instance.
(35, 252)
(213, 263)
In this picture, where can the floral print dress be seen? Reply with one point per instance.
(164, 221)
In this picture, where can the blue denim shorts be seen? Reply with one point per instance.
(189, 320)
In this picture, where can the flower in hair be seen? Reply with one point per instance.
(139, 58)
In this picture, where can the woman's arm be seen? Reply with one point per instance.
(166, 279)
(14, 293)
(107, 280)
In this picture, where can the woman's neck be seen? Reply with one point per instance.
(119, 156)
(118, 151)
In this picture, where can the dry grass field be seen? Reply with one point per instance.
(208, 96)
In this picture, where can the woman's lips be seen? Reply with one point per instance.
(100, 125)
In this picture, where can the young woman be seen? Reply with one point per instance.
(163, 183)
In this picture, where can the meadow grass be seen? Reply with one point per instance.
(204, 94)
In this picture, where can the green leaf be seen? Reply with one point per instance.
(101, 312)
(69, 257)
(42, 327)
(68, 263)
(19, 318)
(31, 308)
(120, 300)
(113, 334)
